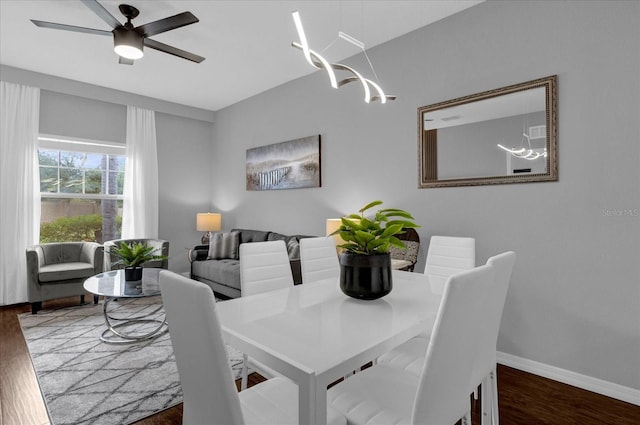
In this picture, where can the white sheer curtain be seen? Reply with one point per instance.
(140, 209)
(19, 186)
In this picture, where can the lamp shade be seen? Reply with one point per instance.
(334, 224)
(208, 222)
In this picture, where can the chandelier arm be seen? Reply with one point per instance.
(346, 81)
(381, 96)
(319, 62)
(303, 38)
(387, 97)
(365, 86)
(512, 151)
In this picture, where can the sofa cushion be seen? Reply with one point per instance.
(225, 272)
(247, 236)
(65, 271)
(223, 245)
(57, 253)
(291, 242)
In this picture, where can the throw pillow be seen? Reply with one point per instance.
(293, 248)
(291, 242)
(224, 245)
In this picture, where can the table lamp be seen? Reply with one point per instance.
(208, 222)
(334, 224)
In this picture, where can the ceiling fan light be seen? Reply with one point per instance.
(128, 43)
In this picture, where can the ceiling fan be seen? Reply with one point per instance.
(129, 40)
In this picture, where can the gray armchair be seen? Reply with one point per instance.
(57, 270)
(161, 246)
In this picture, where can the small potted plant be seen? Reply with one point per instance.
(132, 256)
(365, 264)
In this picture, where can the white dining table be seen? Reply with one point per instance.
(314, 334)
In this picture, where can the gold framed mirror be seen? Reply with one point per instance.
(505, 135)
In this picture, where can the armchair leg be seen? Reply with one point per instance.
(81, 299)
(95, 299)
(35, 307)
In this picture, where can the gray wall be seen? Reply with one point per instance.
(184, 142)
(574, 300)
(74, 116)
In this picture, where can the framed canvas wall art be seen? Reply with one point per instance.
(293, 164)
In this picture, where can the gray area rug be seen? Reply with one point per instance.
(86, 381)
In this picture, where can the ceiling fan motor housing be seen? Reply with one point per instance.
(128, 43)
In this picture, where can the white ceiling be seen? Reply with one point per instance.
(507, 105)
(247, 44)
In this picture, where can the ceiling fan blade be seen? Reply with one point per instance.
(53, 25)
(125, 61)
(172, 50)
(167, 24)
(102, 13)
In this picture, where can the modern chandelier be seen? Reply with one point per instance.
(525, 152)
(319, 62)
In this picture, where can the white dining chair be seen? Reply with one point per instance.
(264, 266)
(484, 369)
(439, 395)
(410, 355)
(318, 259)
(447, 255)
(210, 394)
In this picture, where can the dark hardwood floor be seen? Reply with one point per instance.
(524, 398)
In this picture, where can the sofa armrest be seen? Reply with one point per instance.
(87, 253)
(161, 248)
(35, 258)
(92, 253)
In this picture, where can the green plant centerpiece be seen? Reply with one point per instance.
(365, 263)
(132, 256)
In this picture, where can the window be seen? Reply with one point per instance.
(81, 185)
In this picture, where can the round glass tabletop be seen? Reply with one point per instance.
(112, 284)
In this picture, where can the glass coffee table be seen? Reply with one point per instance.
(112, 285)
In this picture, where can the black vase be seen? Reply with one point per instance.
(366, 277)
(132, 274)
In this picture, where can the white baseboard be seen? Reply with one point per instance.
(609, 389)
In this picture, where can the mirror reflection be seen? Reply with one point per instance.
(506, 135)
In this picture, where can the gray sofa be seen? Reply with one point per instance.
(223, 274)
